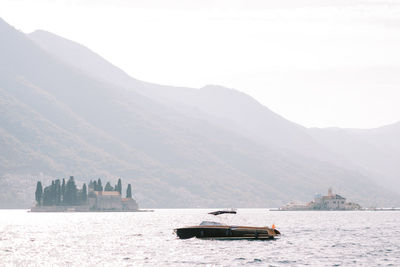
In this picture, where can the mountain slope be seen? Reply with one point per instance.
(374, 153)
(225, 107)
(65, 121)
(68, 99)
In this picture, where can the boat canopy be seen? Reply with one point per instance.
(219, 212)
(210, 223)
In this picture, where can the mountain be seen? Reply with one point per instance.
(66, 111)
(375, 150)
(220, 106)
(225, 107)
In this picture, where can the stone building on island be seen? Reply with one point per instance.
(111, 201)
(329, 202)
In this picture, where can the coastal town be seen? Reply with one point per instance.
(329, 202)
(64, 196)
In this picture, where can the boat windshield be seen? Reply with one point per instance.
(210, 223)
(219, 212)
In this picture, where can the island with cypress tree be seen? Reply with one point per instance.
(64, 195)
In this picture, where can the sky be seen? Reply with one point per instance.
(318, 63)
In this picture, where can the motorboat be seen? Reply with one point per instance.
(217, 230)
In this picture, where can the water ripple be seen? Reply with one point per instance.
(142, 239)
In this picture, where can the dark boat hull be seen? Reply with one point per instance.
(226, 232)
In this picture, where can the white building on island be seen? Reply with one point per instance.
(328, 202)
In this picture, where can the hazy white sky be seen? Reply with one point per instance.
(318, 63)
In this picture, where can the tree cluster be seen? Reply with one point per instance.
(66, 193)
(60, 194)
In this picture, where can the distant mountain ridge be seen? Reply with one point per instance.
(66, 111)
(225, 107)
(229, 109)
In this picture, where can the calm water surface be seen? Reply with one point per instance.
(136, 239)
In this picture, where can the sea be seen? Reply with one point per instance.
(309, 238)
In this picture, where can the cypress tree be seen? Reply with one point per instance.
(119, 189)
(57, 192)
(67, 195)
(99, 185)
(84, 194)
(71, 191)
(39, 193)
(95, 186)
(53, 193)
(47, 196)
(63, 190)
(108, 187)
(129, 191)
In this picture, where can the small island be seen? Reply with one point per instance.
(64, 196)
(328, 202)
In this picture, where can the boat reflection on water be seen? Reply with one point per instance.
(216, 230)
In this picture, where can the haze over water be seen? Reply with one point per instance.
(135, 239)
